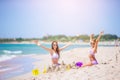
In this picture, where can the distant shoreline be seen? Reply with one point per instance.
(43, 42)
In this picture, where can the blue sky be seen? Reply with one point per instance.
(37, 18)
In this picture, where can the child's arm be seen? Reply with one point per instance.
(91, 37)
(98, 38)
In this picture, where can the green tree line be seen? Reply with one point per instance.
(62, 38)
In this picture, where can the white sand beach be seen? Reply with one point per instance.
(107, 69)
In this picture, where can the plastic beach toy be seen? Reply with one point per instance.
(45, 70)
(35, 72)
(78, 64)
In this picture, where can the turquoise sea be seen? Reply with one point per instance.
(11, 50)
(29, 48)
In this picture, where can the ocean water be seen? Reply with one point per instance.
(15, 66)
(14, 58)
(21, 49)
(8, 51)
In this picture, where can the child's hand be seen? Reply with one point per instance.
(102, 32)
(92, 35)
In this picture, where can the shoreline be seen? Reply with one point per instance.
(16, 66)
(43, 42)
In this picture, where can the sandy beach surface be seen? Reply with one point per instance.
(107, 69)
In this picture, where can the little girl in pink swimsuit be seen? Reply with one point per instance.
(93, 50)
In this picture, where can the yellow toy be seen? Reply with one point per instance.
(35, 72)
(45, 70)
(68, 67)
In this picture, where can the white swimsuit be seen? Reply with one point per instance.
(55, 56)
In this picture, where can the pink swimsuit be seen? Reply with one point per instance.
(93, 54)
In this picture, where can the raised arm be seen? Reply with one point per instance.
(38, 44)
(98, 38)
(62, 48)
(91, 37)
